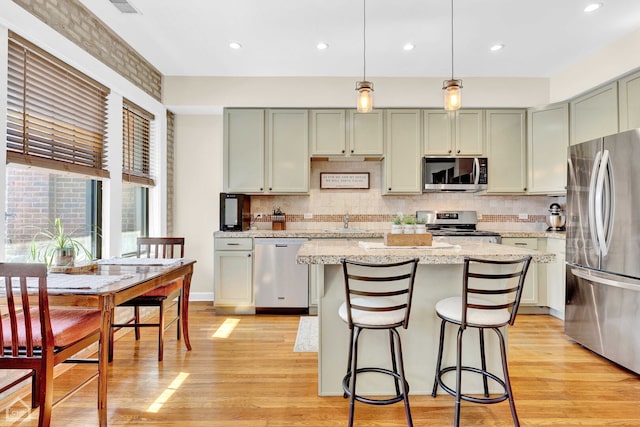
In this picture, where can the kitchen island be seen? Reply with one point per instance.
(439, 276)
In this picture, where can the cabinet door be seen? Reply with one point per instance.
(530, 292)
(506, 151)
(438, 132)
(556, 278)
(233, 278)
(366, 133)
(595, 114)
(629, 91)
(469, 133)
(288, 157)
(243, 151)
(328, 132)
(402, 158)
(548, 132)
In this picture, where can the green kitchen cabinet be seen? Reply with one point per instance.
(266, 151)
(548, 136)
(506, 150)
(531, 292)
(556, 278)
(402, 163)
(243, 150)
(456, 133)
(595, 114)
(233, 275)
(629, 94)
(337, 133)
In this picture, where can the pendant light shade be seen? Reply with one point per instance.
(364, 102)
(365, 97)
(452, 87)
(452, 94)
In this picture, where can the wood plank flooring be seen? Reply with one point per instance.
(254, 379)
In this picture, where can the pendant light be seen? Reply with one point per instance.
(364, 103)
(452, 88)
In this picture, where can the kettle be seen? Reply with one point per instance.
(556, 219)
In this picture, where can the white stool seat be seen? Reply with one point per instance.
(451, 309)
(372, 318)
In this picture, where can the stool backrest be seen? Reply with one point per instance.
(500, 282)
(384, 287)
(160, 247)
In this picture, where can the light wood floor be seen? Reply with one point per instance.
(254, 379)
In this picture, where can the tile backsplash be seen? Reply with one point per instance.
(368, 209)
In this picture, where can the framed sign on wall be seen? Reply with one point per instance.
(344, 180)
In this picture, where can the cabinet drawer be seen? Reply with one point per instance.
(528, 243)
(233, 244)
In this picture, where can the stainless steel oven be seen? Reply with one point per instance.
(456, 226)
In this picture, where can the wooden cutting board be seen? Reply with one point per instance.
(408, 239)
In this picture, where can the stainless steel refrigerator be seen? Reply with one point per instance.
(602, 310)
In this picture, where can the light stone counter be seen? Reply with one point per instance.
(439, 276)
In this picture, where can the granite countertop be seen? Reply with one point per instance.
(330, 252)
(355, 233)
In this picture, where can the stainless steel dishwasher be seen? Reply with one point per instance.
(279, 283)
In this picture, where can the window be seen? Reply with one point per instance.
(137, 174)
(56, 120)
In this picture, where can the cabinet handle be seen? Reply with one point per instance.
(520, 244)
(261, 189)
(458, 151)
(389, 188)
(249, 255)
(269, 188)
(449, 152)
(351, 151)
(233, 244)
(342, 151)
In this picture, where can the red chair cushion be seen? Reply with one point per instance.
(68, 326)
(165, 290)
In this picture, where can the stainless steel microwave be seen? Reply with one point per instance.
(454, 174)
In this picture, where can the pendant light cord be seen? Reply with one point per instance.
(452, 74)
(364, 39)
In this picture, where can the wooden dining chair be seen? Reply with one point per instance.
(36, 337)
(155, 247)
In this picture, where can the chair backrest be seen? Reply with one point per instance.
(499, 282)
(21, 334)
(379, 288)
(161, 247)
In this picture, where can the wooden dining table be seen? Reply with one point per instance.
(113, 282)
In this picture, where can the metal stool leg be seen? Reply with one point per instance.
(507, 382)
(456, 417)
(349, 371)
(394, 364)
(353, 369)
(439, 360)
(405, 391)
(483, 362)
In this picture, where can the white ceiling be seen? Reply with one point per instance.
(542, 37)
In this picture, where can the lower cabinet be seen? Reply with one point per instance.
(531, 292)
(233, 275)
(556, 278)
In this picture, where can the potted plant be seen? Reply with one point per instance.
(59, 249)
(396, 227)
(421, 226)
(410, 224)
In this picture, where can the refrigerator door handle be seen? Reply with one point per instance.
(619, 282)
(601, 204)
(609, 204)
(592, 203)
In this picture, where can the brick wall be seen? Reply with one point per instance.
(71, 19)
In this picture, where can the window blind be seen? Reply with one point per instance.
(56, 115)
(136, 145)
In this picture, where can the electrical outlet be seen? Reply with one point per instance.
(523, 216)
(257, 215)
(308, 216)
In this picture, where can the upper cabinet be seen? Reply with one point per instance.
(458, 133)
(548, 132)
(594, 114)
(402, 172)
(335, 132)
(506, 151)
(266, 151)
(629, 92)
(243, 150)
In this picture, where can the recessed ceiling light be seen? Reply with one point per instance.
(322, 46)
(593, 7)
(408, 46)
(496, 47)
(235, 45)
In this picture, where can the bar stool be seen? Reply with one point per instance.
(473, 312)
(378, 296)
